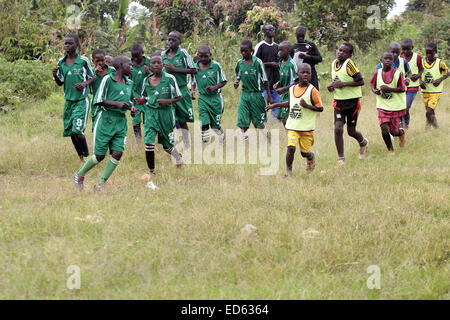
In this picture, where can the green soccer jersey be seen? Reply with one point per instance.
(98, 79)
(112, 90)
(209, 77)
(139, 75)
(79, 71)
(252, 75)
(181, 60)
(288, 75)
(166, 89)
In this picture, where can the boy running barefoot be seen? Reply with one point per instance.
(389, 86)
(435, 72)
(304, 103)
(75, 73)
(209, 80)
(159, 91)
(114, 98)
(414, 60)
(101, 70)
(346, 86)
(288, 76)
(178, 63)
(140, 64)
(251, 107)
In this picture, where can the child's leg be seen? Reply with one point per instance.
(81, 138)
(386, 136)
(185, 132)
(289, 159)
(410, 95)
(306, 142)
(137, 132)
(205, 133)
(150, 156)
(77, 146)
(90, 163)
(174, 153)
(110, 166)
(339, 138)
(431, 117)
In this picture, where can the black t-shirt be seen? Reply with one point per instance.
(310, 49)
(269, 53)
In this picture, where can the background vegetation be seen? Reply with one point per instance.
(316, 233)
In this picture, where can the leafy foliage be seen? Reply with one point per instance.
(331, 21)
(258, 17)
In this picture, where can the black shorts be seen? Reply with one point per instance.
(347, 109)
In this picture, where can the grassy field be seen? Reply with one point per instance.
(316, 234)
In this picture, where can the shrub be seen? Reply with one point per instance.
(180, 15)
(27, 78)
(259, 16)
(234, 12)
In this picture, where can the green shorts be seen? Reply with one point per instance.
(140, 116)
(75, 116)
(110, 132)
(283, 113)
(184, 111)
(251, 107)
(159, 122)
(210, 109)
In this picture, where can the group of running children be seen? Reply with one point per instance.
(156, 91)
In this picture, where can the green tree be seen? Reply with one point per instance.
(331, 21)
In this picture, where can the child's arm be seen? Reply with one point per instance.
(117, 104)
(268, 91)
(171, 68)
(309, 106)
(443, 67)
(193, 88)
(55, 76)
(415, 77)
(277, 105)
(401, 86)
(166, 102)
(373, 84)
(216, 87)
(84, 84)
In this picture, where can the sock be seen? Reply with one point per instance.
(363, 142)
(90, 163)
(244, 135)
(205, 136)
(84, 146)
(388, 141)
(219, 132)
(109, 169)
(174, 153)
(150, 156)
(341, 158)
(77, 146)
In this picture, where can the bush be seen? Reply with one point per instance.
(180, 15)
(27, 78)
(234, 12)
(259, 16)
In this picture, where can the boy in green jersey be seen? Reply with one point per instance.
(101, 70)
(159, 91)
(346, 87)
(389, 86)
(209, 80)
(114, 98)
(141, 68)
(178, 63)
(304, 103)
(288, 77)
(75, 73)
(251, 107)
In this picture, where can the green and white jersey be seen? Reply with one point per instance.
(209, 77)
(98, 79)
(79, 71)
(112, 90)
(288, 76)
(181, 60)
(138, 75)
(252, 75)
(166, 89)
